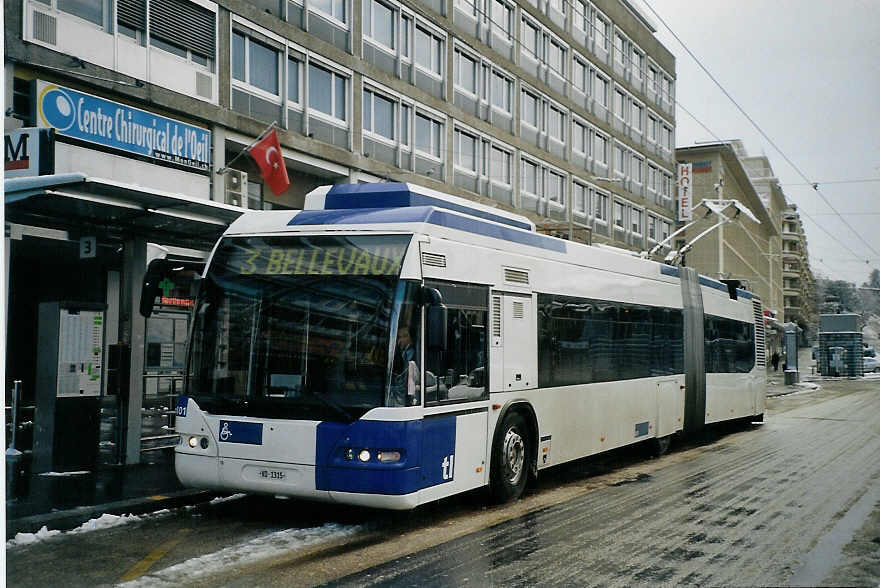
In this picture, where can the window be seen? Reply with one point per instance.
(653, 179)
(638, 169)
(638, 62)
(636, 220)
(667, 186)
(294, 67)
(465, 151)
(379, 115)
(600, 151)
(581, 15)
(556, 57)
(652, 228)
(637, 111)
(619, 103)
(653, 129)
(529, 177)
(556, 188)
(90, 10)
(579, 138)
(666, 138)
(502, 92)
(466, 72)
(728, 345)
(334, 8)
(530, 40)
(556, 124)
(255, 64)
(582, 341)
(619, 163)
(460, 373)
(405, 27)
(378, 22)
(429, 51)
(428, 135)
(559, 5)
(580, 199)
(502, 16)
(619, 51)
(327, 92)
(582, 76)
(601, 207)
(653, 79)
(499, 165)
(529, 107)
(600, 30)
(665, 230)
(618, 214)
(602, 90)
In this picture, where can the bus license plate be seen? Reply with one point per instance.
(271, 474)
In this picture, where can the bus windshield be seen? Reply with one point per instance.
(299, 327)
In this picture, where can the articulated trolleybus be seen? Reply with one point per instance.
(390, 345)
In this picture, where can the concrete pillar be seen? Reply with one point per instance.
(132, 333)
(218, 181)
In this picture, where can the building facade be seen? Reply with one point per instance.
(797, 277)
(561, 110)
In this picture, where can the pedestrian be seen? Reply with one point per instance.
(774, 360)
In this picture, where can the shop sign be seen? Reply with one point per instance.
(124, 128)
(28, 152)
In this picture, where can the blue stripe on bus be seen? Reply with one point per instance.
(426, 214)
(427, 455)
(668, 270)
(390, 195)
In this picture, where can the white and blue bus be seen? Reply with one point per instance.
(390, 345)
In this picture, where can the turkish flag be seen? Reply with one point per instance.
(267, 154)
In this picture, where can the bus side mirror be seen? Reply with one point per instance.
(435, 319)
(157, 270)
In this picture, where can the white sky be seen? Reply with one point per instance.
(808, 72)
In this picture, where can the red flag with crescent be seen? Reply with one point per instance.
(267, 154)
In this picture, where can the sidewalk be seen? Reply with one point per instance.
(806, 370)
(65, 501)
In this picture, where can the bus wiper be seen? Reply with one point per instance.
(330, 404)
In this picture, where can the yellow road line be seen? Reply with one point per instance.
(141, 567)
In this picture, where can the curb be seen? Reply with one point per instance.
(65, 520)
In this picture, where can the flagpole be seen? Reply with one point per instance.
(226, 167)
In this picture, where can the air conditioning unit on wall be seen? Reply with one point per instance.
(236, 187)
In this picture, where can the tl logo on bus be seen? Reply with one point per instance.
(448, 467)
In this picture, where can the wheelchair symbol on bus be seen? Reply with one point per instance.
(225, 433)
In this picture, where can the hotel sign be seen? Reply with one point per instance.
(123, 128)
(685, 198)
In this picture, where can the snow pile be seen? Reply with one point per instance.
(63, 474)
(105, 521)
(227, 498)
(807, 386)
(28, 538)
(257, 549)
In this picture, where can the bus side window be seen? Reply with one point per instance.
(460, 372)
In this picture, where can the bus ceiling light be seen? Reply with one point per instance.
(389, 456)
(364, 455)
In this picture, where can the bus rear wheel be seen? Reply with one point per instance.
(511, 459)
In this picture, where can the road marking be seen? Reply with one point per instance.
(141, 567)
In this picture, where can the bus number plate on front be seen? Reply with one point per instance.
(271, 474)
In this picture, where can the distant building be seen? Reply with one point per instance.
(738, 250)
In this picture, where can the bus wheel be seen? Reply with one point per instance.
(660, 445)
(511, 459)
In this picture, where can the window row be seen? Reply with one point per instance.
(389, 117)
(584, 341)
(398, 31)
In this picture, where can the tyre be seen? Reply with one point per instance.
(511, 459)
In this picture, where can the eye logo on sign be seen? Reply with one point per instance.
(57, 108)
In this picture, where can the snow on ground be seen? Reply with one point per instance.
(63, 474)
(256, 549)
(227, 498)
(105, 521)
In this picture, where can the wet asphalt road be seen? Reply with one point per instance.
(766, 505)
(763, 507)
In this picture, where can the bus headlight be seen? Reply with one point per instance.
(389, 456)
(364, 455)
(193, 442)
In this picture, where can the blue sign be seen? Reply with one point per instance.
(132, 130)
(239, 432)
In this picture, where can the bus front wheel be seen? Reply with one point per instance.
(511, 459)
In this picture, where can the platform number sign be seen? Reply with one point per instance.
(88, 247)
